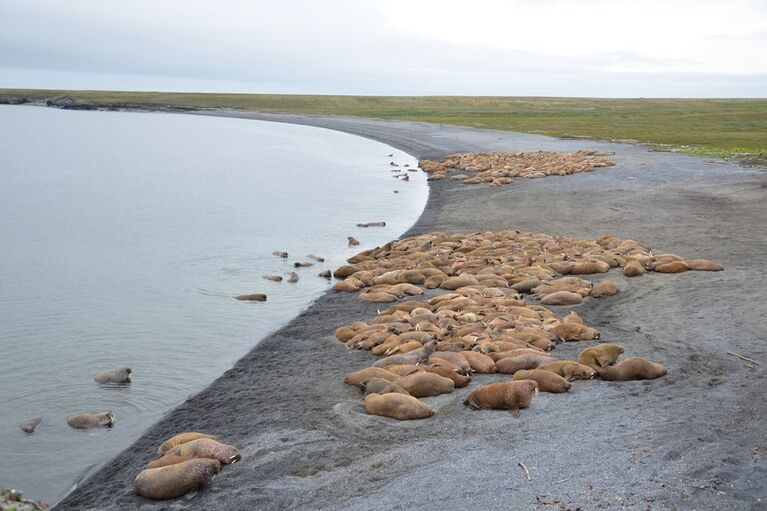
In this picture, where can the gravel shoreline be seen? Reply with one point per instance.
(692, 440)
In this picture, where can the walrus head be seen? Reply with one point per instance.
(110, 418)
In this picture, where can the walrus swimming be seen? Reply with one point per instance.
(91, 420)
(507, 395)
(569, 370)
(30, 425)
(257, 297)
(208, 448)
(397, 406)
(302, 264)
(547, 380)
(316, 258)
(293, 277)
(179, 439)
(600, 355)
(175, 480)
(325, 274)
(273, 278)
(116, 375)
(632, 369)
(353, 242)
(280, 253)
(425, 384)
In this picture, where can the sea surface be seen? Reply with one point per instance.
(124, 238)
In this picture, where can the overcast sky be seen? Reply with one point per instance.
(624, 48)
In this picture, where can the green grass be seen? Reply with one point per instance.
(710, 127)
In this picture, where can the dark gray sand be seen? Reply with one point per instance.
(696, 439)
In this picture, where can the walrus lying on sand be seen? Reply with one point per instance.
(179, 439)
(507, 395)
(175, 480)
(208, 448)
(601, 355)
(632, 369)
(547, 381)
(397, 406)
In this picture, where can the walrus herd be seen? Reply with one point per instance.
(499, 168)
(187, 461)
(484, 321)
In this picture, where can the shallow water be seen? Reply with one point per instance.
(124, 237)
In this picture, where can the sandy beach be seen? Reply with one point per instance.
(691, 440)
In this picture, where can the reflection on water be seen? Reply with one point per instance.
(124, 237)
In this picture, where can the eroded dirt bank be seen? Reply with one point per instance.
(691, 440)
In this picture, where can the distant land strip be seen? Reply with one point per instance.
(725, 128)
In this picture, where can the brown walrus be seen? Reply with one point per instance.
(179, 439)
(460, 380)
(704, 265)
(256, 297)
(208, 448)
(562, 298)
(632, 369)
(479, 362)
(507, 395)
(574, 332)
(116, 375)
(353, 242)
(91, 420)
(167, 460)
(604, 288)
(453, 357)
(511, 365)
(425, 384)
(397, 406)
(600, 355)
(359, 378)
(633, 268)
(381, 386)
(175, 480)
(569, 370)
(672, 267)
(547, 381)
(413, 357)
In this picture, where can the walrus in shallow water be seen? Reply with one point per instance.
(569, 370)
(116, 375)
(353, 242)
(632, 369)
(280, 253)
(208, 448)
(600, 355)
(273, 278)
(175, 480)
(397, 406)
(293, 277)
(547, 381)
(30, 425)
(256, 297)
(91, 420)
(179, 439)
(508, 395)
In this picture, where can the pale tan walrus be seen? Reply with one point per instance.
(175, 480)
(397, 406)
(179, 439)
(208, 448)
(632, 369)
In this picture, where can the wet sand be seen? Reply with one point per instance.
(694, 439)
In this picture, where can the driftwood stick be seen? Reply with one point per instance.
(744, 358)
(527, 472)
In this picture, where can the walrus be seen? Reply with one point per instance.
(325, 274)
(569, 370)
(499, 355)
(316, 258)
(526, 286)
(459, 380)
(704, 265)
(30, 425)
(397, 406)
(604, 288)
(175, 480)
(358, 378)
(413, 357)
(600, 355)
(511, 365)
(381, 386)
(633, 268)
(377, 297)
(425, 384)
(293, 277)
(280, 253)
(116, 375)
(256, 297)
(574, 332)
(208, 448)
(179, 439)
(632, 369)
(562, 298)
(302, 264)
(405, 369)
(507, 395)
(547, 380)
(672, 267)
(372, 224)
(453, 357)
(91, 420)
(479, 362)
(167, 460)
(353, 242)
(345, 333)
(273, 278)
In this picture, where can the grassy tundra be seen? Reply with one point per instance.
(713, 127)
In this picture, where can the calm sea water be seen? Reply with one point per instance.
(124, 237)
